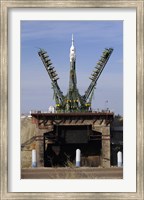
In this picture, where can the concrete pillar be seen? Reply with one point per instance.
(40, 149)
(34, 158)
(105, 147)
(119, 159)
(78, 157)
(40, 153)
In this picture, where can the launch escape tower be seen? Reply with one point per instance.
(73, 101)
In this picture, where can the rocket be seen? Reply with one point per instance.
(73, 94)
(72, 80)
(73, 101)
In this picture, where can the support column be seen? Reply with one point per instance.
(106, 146)
(40, 144)
(40, 149)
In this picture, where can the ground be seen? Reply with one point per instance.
(73, 173)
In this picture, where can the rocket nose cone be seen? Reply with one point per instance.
(72, 48)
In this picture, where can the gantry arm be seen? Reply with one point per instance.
(52, 74)
(97, 72)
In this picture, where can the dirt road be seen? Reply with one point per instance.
(72, 173)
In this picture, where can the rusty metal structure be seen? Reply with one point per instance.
(73, 124)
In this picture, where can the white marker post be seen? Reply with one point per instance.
(119, 159)
(34, 159)
(78, 155)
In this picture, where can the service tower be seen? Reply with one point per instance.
(73, 101)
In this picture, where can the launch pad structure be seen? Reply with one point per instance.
(73, 125)
(73, 101)
(66, 132)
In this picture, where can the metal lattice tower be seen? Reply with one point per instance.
(73, 101)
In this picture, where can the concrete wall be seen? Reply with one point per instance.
(105, 151)
(28, 130)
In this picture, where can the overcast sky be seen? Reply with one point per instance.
(90, 39)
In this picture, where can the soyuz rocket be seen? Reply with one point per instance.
(72, 82)
(73, 101)
(73, 94)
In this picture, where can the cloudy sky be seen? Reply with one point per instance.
(90, 39)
